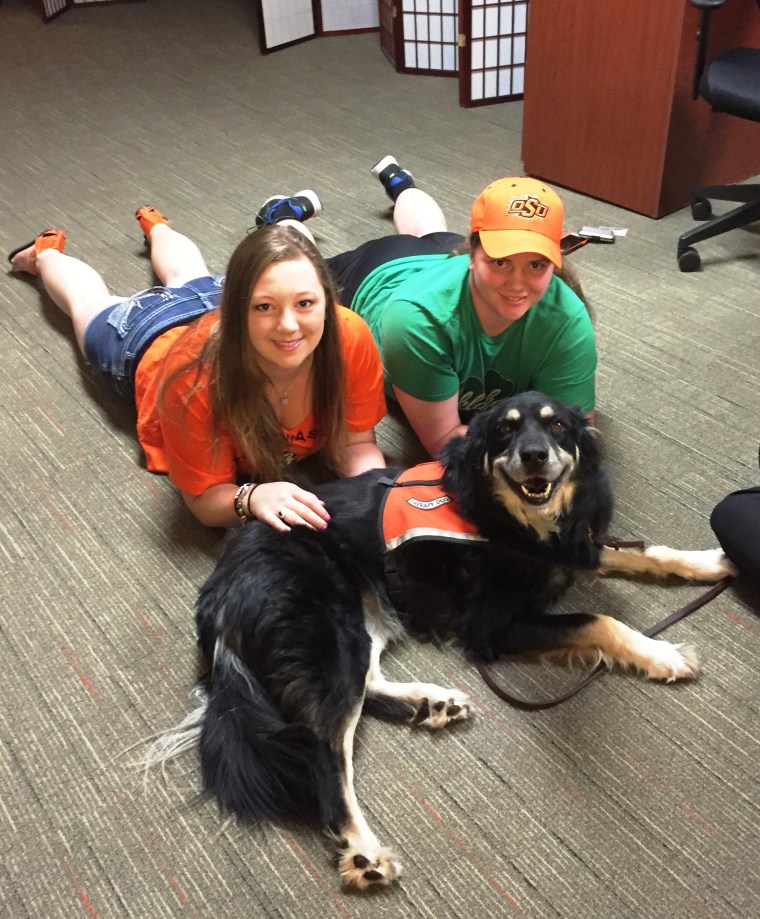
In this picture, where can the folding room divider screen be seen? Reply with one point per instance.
(51, 8)
(493, 52)
(482, 42)
(284, 22)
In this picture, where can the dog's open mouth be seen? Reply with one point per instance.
(536, 490)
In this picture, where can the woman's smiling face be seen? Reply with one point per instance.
(286, 315)
(504, 289)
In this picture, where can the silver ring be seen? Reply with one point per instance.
(281, 514)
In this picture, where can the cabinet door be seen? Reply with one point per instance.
(285, 22)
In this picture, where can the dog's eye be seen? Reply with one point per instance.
(557, 426)
(506, 427)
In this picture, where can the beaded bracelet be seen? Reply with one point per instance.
(238, 502)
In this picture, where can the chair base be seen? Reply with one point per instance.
(747, 212)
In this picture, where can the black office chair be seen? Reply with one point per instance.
(731, 84)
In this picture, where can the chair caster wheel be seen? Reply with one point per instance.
(701, 209)
(689, 260)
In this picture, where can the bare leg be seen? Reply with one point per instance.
(75, 288)
(297, 225)
(175, 258)
(417, 213)
(81, 293)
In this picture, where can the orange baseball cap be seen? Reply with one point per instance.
(519, 214)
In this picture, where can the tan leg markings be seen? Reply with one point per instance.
(617, 643)
(707, 565)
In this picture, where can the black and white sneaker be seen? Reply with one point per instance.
(300, 206)
(394, 179)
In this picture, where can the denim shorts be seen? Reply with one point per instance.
(349, 269)
(117, 337)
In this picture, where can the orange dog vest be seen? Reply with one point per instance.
(416, 507)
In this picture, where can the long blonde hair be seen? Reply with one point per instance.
(240, 407)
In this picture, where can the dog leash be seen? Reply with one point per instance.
(681, 613)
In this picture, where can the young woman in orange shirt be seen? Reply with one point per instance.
(235, 377)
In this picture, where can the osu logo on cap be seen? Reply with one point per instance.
(528, 206)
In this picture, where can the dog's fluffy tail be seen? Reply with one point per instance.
(176, 741)
(257, 765)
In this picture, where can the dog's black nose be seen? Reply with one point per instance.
(534, 457)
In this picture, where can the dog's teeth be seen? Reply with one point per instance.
(545, 491)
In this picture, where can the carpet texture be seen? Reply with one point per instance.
(632, 800)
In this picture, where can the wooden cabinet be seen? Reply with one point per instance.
(608, 108)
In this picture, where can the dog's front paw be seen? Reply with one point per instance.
(435, 713)
(724, 567)
(365, 872)
(695, 565)
(672, 662)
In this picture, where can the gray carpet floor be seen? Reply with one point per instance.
(632, 800)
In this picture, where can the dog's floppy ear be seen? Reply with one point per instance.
(465, 452)
(587, 435)
(451, 456)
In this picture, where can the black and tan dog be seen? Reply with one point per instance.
(294, 624)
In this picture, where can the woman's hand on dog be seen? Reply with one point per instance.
(284, 505)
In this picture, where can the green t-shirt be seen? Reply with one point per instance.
(433, 346)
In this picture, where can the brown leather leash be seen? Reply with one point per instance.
(681, 613)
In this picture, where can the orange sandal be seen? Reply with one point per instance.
(148, 217)
(47, 239)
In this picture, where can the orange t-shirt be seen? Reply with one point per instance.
(183, 445)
